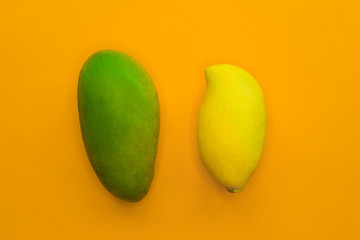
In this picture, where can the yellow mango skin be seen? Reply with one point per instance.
(231, 125)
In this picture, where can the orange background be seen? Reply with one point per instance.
(304, 54)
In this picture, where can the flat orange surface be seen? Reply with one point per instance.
(304, 54)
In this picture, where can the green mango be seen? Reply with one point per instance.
(120, 119)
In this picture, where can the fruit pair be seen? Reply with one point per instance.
(120, 120)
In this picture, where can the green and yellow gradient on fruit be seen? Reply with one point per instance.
(231, 125)
(119, 118)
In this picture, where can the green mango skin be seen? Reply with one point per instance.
(120, 120)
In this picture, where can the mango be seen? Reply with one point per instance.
(120, 120)
(231, 125)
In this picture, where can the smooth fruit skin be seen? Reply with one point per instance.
(119, 117)
(231, 125)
